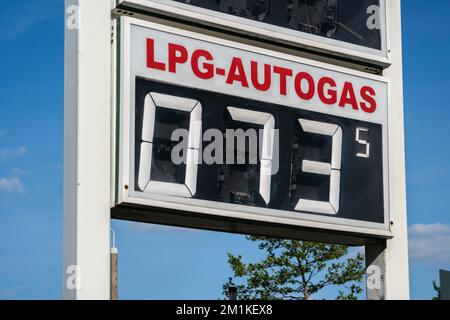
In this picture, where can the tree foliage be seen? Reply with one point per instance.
(438, 291)
(296, 270)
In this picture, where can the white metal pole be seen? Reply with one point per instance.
(394, 258)
(87, 151)
(397, 268)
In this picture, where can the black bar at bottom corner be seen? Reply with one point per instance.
(207, 309)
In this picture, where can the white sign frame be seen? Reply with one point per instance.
(271, 32)
(126, 194)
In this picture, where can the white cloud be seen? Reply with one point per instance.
(27, 15)
(429, 243)
(11, 185)
(7, 153)
(16, 172)
(6, 294)
(429, 229)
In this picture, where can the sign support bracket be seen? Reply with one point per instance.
(376, 271)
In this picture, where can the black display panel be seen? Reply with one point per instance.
(360, 182)
(356, 22)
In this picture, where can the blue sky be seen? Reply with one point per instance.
(158, 262)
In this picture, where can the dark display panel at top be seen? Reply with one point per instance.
(351, 21)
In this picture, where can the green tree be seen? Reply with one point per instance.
(438, 291)
(296, 270)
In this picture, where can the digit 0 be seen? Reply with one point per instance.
(189, 187)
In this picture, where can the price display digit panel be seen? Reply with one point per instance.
(225, 136)
(346, 28)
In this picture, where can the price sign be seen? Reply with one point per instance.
(216, 130)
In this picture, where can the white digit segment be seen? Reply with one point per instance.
(268, 121)
(366, 143)
(189, 187)
(332, 169)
